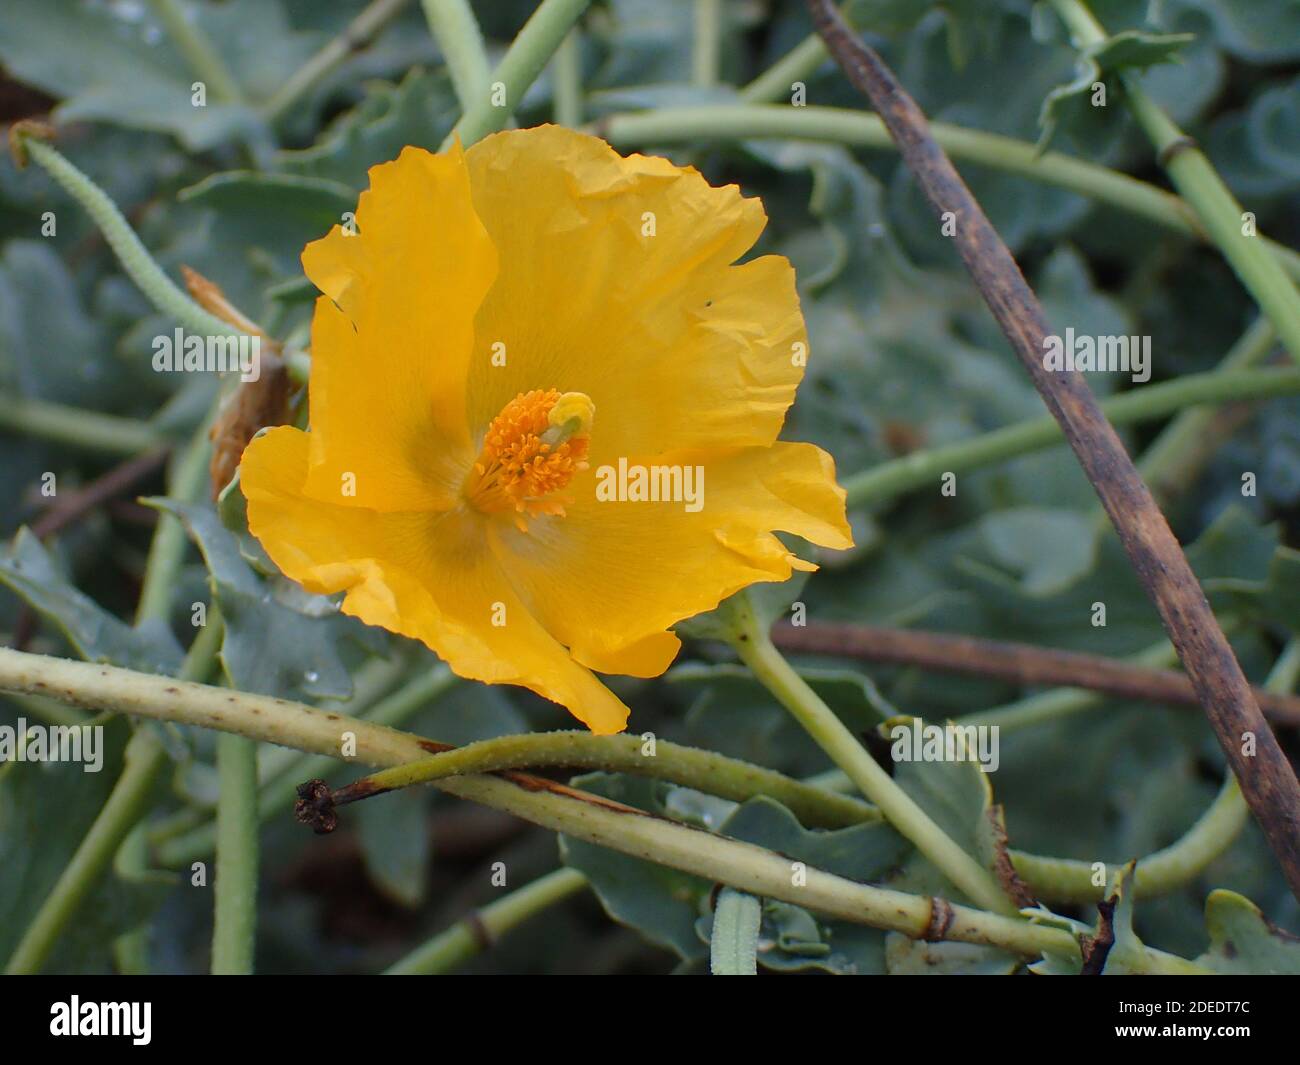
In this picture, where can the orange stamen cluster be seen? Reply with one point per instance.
(518, 470)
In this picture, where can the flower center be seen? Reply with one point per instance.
(532, 450)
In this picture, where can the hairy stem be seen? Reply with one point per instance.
(706, 771)
(234, 893)
(135, 259)
(554, 806)
(277, 793)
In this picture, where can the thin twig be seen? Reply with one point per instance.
(1022, 663)
(1266, 777)
(69, 508)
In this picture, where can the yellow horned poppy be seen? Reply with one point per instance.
(544, 411)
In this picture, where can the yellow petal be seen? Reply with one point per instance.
(428, 576)
(389, 364)
(676, 347)
(645, 657)
(609, 577)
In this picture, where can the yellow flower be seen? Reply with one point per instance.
(544, 410)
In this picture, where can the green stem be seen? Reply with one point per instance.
(706, 54)
(235, 890)
(528, 54)
(144, 757)
(358, 33)
(925, 467)
(198, 50)
(733, 946)
(471, 936)
(131, 949)
(731, 123)
(750, 640)
(188, 477)
(1201, 187)
(139, 265)
(706, 771)
(740, 865)
(567, 72)
(1058, 703)
(77, 427)
(374, 680)
(1172, 459)
(127, 803)
(1066, 880)
(234, 921)
(797, 65)
(454, 27)
(278, 793)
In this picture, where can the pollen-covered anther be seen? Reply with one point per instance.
(532, 449)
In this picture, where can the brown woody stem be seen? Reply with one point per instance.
(1266, 777)
(1021, 663)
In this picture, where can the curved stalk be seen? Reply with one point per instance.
(554, 806)
(134, 257)
(706, 771)
(1067, 880)
(751, 642)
